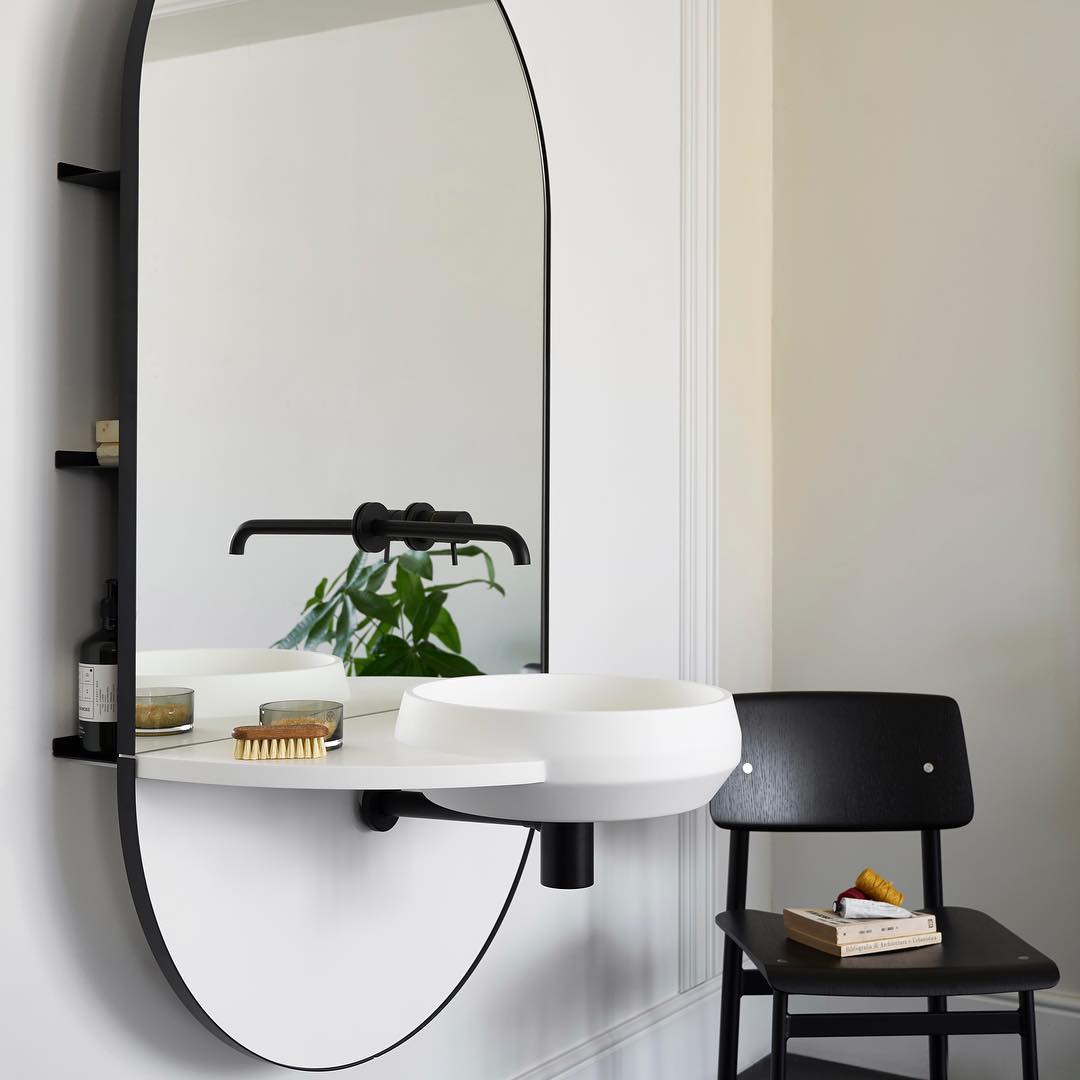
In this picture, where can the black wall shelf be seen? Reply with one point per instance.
(95, 178)
(68, 746)
(81, 459)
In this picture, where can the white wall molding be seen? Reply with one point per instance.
(591, 1050)
(699, 900)
(700, 494)
(164, 9)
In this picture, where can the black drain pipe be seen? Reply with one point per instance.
(566, 848)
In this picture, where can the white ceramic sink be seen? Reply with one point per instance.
(614, 748)
(235, 682)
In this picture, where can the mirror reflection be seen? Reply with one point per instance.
(341, 302)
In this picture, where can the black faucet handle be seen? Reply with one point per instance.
(367, 516)
(419, 511)
(453, 517)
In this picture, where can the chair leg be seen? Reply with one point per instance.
(939, 1044)
(1029, 1050)
(778, 1069)
(730, 1002)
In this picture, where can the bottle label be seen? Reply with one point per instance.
(97, 693)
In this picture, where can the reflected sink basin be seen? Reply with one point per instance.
(235, 682)
(615, 748)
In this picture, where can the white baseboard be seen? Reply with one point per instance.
(675, 1038)
(571, 1062)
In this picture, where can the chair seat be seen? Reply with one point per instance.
(977, 955)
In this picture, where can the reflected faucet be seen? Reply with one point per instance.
(373, 528)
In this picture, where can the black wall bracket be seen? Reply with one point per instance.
(68, 746)
(86, 177)
(81, 459)
(566, 848)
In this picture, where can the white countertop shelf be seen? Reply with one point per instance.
(371, 759)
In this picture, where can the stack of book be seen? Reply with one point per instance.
(823, 929)
(107, 433)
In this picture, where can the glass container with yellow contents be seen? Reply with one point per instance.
(327, 713)
(164, 710)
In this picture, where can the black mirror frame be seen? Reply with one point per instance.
(128, 339)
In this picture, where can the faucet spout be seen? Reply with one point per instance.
(286, 527)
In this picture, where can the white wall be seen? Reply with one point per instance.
(80, 991)
(927, 431)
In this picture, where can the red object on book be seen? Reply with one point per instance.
(852, 894)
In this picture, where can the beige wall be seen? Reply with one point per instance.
(927, 422)
(744, 335)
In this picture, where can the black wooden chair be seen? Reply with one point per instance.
(827, 762)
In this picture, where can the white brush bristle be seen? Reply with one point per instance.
(278, 749)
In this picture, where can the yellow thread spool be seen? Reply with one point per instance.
(877, 888)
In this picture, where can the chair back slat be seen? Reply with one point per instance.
(847, 762)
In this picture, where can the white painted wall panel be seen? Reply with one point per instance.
(607, 76)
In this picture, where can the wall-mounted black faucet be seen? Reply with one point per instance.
(373, 528)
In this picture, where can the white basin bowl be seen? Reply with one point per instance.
(235, 682)
(614, 748)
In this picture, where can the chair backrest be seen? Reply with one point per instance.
(847, 762)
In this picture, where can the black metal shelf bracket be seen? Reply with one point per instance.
(106, 180)
(81, 459)
(68, 746)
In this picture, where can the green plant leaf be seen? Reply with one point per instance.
(426, 615)
(470, 551)
(390, 643)
(445, 629)
(355, 569)
(322, 628)
(472, 581)
(466, 552)
(380, 608)
(379, 633)
(436, 661)
(419, 562)
(318, 596)
(391, 664)
(346, 625)
(378, 572)
(391, 656)
(410, 589)
(300, 631)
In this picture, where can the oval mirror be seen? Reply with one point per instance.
(336, 221)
